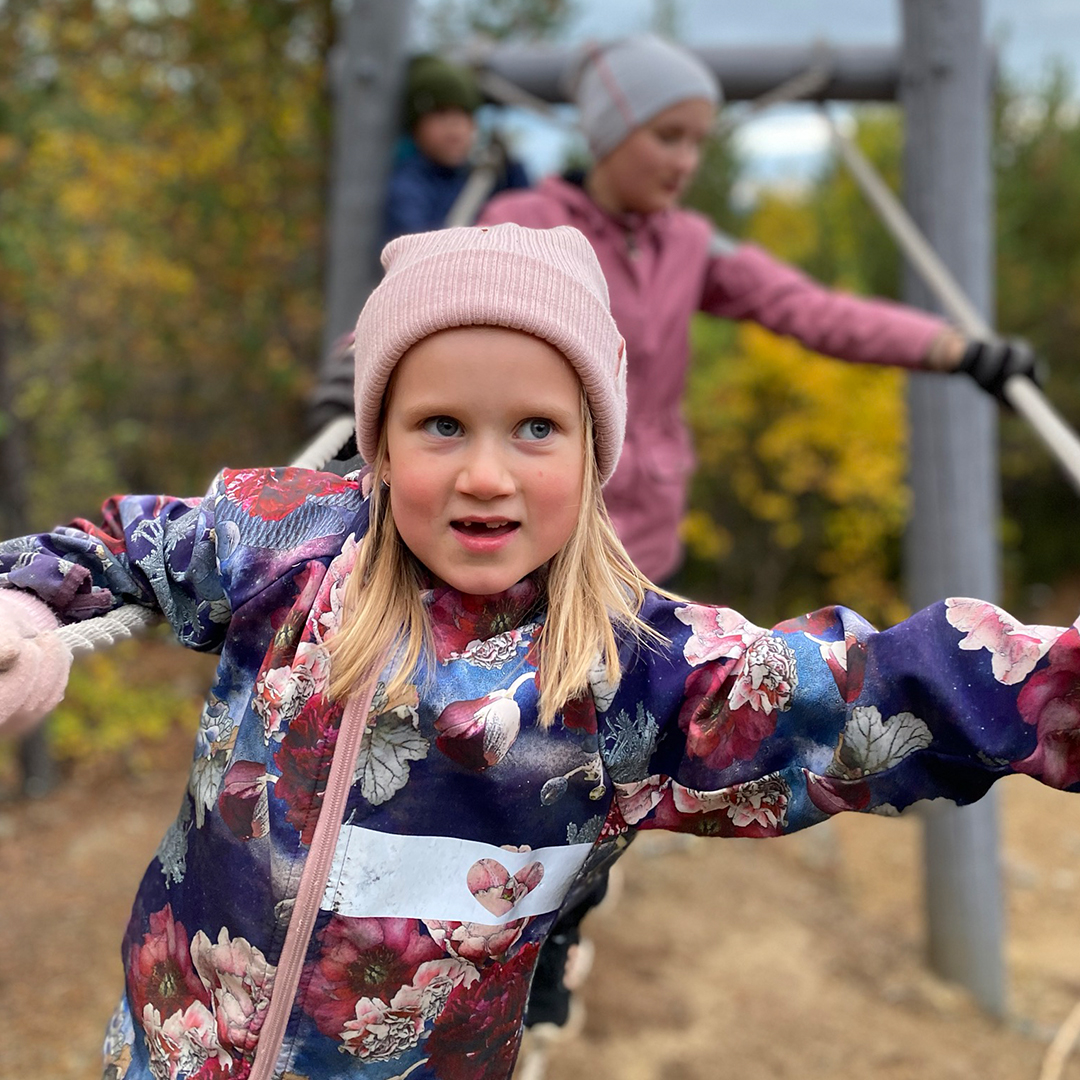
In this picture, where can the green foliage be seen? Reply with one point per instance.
(711, 190)
(163, 170)
(666, 19)
(450, 21)
(1037, 149)
(799, 499)
(120, 702)
(853, 249)
(110, 708)
(835, 236)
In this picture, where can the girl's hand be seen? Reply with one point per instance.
(34, 661)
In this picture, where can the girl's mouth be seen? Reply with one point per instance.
(478, 535)
(478, 528)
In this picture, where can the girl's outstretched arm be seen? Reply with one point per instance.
(735, 730)
(150, 550)
(196, 561)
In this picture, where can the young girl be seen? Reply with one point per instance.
(446, 697)
(646, 107)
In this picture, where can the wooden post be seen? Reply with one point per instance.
(367, 70)
(952, 542)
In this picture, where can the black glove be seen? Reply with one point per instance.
(990, 363)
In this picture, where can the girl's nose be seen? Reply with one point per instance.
(689, 157)
(485, 475)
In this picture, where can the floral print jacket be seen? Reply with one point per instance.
(360, 889)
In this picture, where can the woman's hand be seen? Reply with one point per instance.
(992, 363)
(989, 363)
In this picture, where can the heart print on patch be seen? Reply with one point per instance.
(499, 890)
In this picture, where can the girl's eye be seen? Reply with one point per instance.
(446, 427)
(535, 429)
(669, 136)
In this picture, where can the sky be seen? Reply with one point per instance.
(786, 145)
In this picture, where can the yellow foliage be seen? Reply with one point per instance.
(782, 225)
(802, 464)
(113, 705)
(703, 537)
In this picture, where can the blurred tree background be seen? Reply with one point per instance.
(163, 170)
(800, 496)
(162, 180)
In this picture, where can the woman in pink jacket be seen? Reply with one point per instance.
(646, 107)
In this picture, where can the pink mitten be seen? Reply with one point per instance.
(34, 662)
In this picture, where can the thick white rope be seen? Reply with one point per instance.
(799, 87)
(325, 445)
(1022, 394)
(125, 622)
(106, 630)
(1061, 1046)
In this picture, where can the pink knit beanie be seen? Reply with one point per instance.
(546, 282)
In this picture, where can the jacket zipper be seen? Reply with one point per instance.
(312, 884)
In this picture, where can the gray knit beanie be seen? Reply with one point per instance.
(620, 86)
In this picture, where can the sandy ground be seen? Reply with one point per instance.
(798, 957)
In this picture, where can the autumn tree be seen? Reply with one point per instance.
(163, 177)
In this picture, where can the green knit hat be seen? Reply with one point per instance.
(433, 83)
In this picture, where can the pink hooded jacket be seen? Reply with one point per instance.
(660, 269)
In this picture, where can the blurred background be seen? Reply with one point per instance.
(164, 171)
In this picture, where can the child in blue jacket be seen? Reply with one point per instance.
(435, 161)
(446, 698)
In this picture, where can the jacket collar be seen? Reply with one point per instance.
(460, 623)
(570, 192)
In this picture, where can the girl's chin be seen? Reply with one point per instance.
(486, 584)
(483, 588)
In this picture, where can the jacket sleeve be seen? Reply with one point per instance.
(748, 283)
(150, 550)
(739, 731)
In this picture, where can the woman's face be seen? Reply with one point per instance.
(485, 455)
(653, 166)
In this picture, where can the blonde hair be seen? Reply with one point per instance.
(592, 589)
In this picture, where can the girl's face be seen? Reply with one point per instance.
(485, 455)
(652, 167)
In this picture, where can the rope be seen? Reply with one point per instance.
(806, 84)
(106, 630)
(1061, 1046)
(325, 445)
(505, 92)
(131, 619)
(1021, 393)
